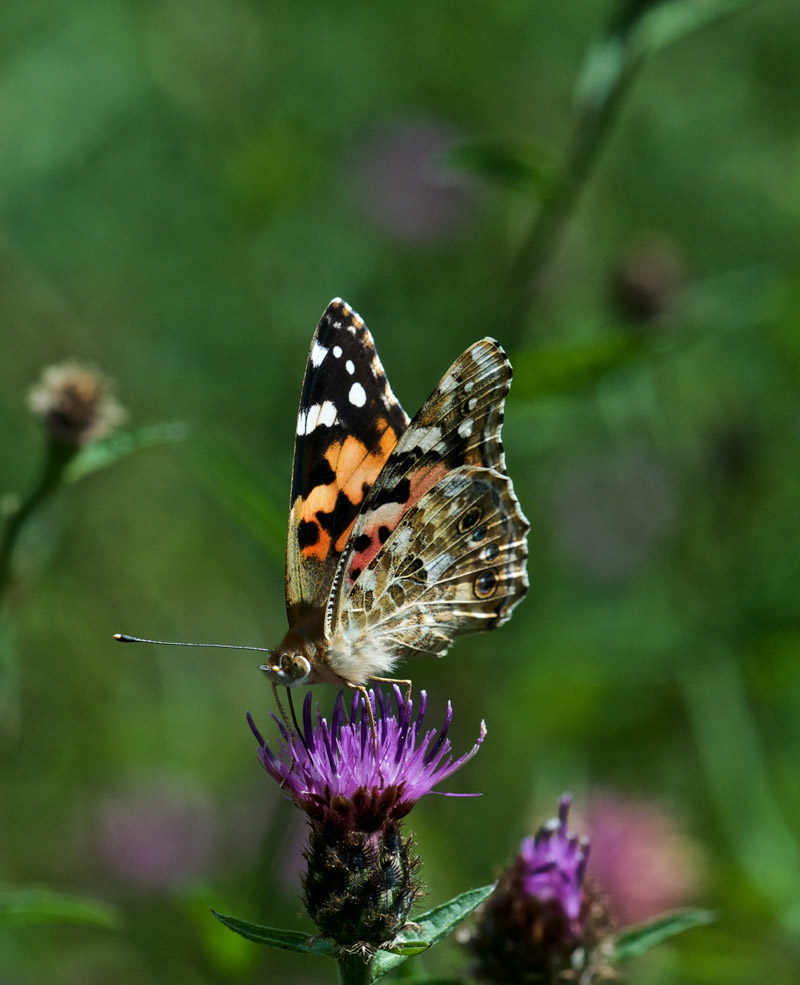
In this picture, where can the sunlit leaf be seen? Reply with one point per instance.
(42, 905)
(668, 22)
(636, 940)
(285, 940)
(731, 749)
(430, 927)
(657, 26)
(108, 451)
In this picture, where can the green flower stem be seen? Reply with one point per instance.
(638, 29)
(597, 111)
(57, 457)
(353, 970)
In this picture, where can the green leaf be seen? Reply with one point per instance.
(665, 23)
(604, 66)
(407, 948)
(615, 56)
(529, 168)
(636, 940)
(285, 940)
(108, 451)
(429, 928)
(556, 370)
(41, 905)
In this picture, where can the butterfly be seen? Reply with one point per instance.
(403, 535)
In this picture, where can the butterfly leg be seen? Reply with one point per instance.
(279, 703)
(370, 713)
(405, 685)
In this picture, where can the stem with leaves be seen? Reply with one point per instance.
(57, 458)
(597, 112)
(638, 29)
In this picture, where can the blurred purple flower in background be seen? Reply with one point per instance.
(641, 858)
(157, 833)
(611, 514)
(404, 188)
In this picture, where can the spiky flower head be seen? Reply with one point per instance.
(355, 786)
(542, 922)
(75, 403)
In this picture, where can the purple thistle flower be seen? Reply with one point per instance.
(355, 785)
(553, 864)
(542, 923)
(382, 776)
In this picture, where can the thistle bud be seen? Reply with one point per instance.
(75, 404)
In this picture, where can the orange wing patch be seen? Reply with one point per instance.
(354, 468)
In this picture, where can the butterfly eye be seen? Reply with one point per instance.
(484, 585)
(298, 668)
(470, 519)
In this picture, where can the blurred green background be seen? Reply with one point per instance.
(184, 185)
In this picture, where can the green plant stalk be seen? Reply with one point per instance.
(57, 457)
(353, 970)
(638, 28)
(597, 114)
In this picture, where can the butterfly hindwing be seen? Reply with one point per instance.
(348, 423)
(453, 565)
(459, 424)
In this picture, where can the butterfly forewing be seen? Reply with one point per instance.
(348, 423)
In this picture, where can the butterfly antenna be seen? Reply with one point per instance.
(124, 638)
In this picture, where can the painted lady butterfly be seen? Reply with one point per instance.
(402, 536)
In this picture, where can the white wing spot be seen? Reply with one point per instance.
(472, 403)
(429, 438)
(337, 351)
(465, 427)
(350, 366)
(320, 415)
(318, 353)
(358, 395)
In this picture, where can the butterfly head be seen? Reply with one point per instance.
(294, 663)
(288, 669)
